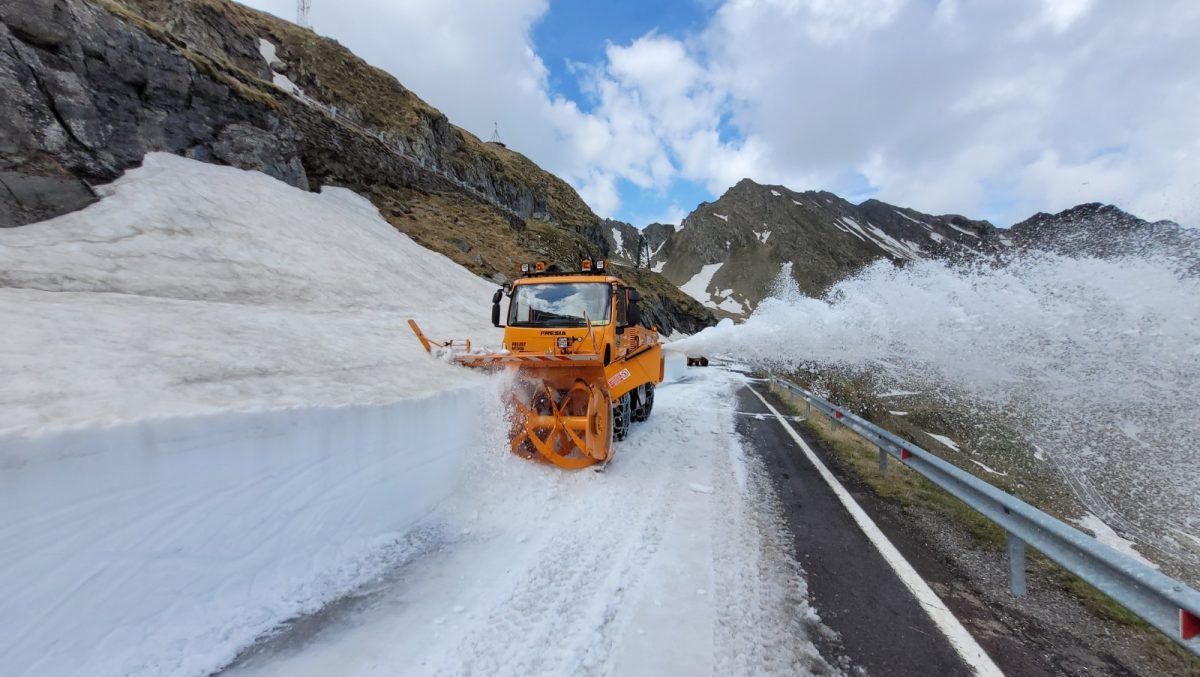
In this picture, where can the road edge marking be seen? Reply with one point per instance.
(962, 641)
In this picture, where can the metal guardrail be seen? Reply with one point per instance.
(1169, 605)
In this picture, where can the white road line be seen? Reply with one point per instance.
(960, 639)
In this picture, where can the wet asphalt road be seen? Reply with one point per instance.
(882, 626)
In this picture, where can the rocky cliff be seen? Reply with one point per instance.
(623, 242)
(94, 85)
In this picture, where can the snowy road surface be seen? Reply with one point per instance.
(678, 560)
(674, 561)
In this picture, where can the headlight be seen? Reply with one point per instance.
(564, 343)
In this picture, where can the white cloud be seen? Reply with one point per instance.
(1059, 15)
(830, 21)
(673, 214)
(950, 107)
(599, 190)
(944, 107)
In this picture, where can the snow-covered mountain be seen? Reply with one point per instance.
(728, 253)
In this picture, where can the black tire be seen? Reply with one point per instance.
(643, 410)
(622, 415)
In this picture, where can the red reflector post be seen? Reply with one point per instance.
(1189, 624)
(904, 454)
(837, 414)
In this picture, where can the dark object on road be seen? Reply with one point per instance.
(697, 361)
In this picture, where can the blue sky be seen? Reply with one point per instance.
(578, 32)
(992, 109)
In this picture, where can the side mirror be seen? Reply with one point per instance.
(634, 295)
(496, 307)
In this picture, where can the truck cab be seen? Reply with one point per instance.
(572, 314)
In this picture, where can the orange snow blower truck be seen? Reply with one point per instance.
(584, 366)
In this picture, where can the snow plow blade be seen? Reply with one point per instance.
(577, 384)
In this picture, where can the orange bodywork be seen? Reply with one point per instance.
(568, 381)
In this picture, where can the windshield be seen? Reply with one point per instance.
(560, 304)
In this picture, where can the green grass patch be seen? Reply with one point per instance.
(900, 484)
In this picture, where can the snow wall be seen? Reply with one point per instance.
(163, 546)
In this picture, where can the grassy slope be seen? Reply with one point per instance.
(220, 38)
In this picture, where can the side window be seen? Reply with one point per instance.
(518, 308)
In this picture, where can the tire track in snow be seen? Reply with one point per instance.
(592, 594)
(672, 560)
(577, 575)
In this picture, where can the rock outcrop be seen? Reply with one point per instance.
(87, 95)
(623, 243)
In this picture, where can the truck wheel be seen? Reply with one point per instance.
(643, 411)
(622, 413)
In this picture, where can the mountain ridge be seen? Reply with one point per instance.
(728, 253)
(738, 243)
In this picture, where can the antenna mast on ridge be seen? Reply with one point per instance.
(302, 9)
(495, 140)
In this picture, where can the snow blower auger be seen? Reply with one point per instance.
(584, 365)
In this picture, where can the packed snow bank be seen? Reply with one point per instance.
(194, 288)
(213, 416)
(162, 547)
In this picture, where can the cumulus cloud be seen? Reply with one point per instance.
(1035, 104)
(991, 108)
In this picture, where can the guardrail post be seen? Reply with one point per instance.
(1016, 564)
(883, 458)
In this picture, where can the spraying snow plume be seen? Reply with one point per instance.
(1099, 358)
